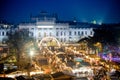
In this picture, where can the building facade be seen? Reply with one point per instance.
(4, 30)
(46, 25)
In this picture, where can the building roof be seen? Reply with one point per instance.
(44, 16)
(79, 24)
(5, 26)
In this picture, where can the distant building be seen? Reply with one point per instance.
(4, 30)
(46, 25)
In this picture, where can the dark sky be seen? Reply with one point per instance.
(105, 11)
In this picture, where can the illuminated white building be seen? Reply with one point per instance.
(4, 29)
(46, 25)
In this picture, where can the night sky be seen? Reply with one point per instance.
(105, 11)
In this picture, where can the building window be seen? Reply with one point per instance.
(31, 33)
(70, 33)
(61, 33)
(57, 28)
(44, 34)
(44, 28)
(75, 33)
(39, 34)
(91, 33)
(39, 28)
(32, 28)
(64, 39)
(60, 28)
(57, 34)
(50, 28)
(82, 33)
(78, 32)
(3, 33)
(64, 33)
(7, 33)
(86, 32)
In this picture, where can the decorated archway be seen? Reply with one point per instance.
(49, 41)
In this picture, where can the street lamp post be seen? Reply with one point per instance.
(30, 64)
(31, 54)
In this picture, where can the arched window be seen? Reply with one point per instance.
(78, 32)
(75, 33)
(91, 33)
(3, 33)
(86, 32)
(82, 33)
(70, 33)
(7, 33)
